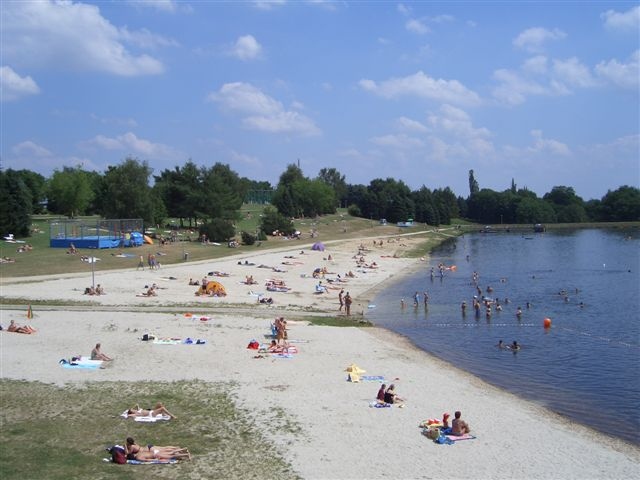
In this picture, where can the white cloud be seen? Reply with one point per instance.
(621, 74)
(573, 73)
(537, 64)
(421, 85)
(533, 39)
(126, 122)
(268, 4)
(401, 141)
(408, 124)
(132, 144)
(244, 158)
(14, 87)
(543, 145)
(454, 125)
(404, 10)
(444, 18)
(73, 36)
(416, 26)
(246, 48)
(536, 78)
(629, 20)
(145, 39)
(262, 112)
(30, 149)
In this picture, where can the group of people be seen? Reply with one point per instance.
(515, 346)
(345, 301)
(98, 290)
(388, 395)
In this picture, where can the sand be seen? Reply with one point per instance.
(341, 436)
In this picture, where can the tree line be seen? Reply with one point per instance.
(210, 198)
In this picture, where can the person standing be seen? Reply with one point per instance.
(347, 303)
(341, 299)
(140, 263)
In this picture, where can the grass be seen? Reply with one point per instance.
(45, 260)
(62, 432)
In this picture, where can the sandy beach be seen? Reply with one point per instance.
(342, 436)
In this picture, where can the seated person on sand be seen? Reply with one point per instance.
(89, 291)
(151, 292)
(249, 280)
(380, 396)
(459, 426)
(193, 282)
(268, 301)
(99, 290)
(72, 249)
(154, 452)
(391, 397)
(20, 329)
(275, 348)
(159, 409)
(96, 354)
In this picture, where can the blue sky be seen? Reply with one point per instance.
(545, 93)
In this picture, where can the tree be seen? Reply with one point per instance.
(15, 204)
(222, 193)
(335, 180)
(473, 184)
(127, 191)
(37, 186)
(272, 221)
(534, 210)
(568, 206)
(70, 191)
(621, 205)
(283, 198)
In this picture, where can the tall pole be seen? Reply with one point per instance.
(93, 273)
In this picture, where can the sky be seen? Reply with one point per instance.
(542, 93)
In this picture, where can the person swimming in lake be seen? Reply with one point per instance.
(515, 346)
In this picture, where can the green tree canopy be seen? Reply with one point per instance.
(15, 204)
(70, 191)
(127, 191)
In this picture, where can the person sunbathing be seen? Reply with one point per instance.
(20, 329)
(459, 426)
(154, 452)
(159, 409)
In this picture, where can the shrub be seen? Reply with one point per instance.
(218, 230)
(248, 239)
(354, 210)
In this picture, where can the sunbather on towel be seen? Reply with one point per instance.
(159, 409)
(380, 396)
(459, 426)
(20, 329)
(154, 452)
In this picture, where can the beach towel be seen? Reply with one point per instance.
(82, 362)
(146, 418)
(457, 438)
(282, 355)
(372, 378)
(152, 462)
(178, 341)
(379, 405)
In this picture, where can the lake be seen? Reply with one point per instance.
(586, 366)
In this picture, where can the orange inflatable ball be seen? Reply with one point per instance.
(547, 322)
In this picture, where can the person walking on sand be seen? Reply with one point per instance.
(347, 303)
(140, 263)
(341, 299)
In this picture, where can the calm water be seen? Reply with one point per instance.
(585, 367)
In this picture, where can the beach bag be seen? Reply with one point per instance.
(433, 433)
(118, 455)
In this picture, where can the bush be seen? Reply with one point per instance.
(248, 239)
(218, 230)
(273, 220)
(354, 210)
